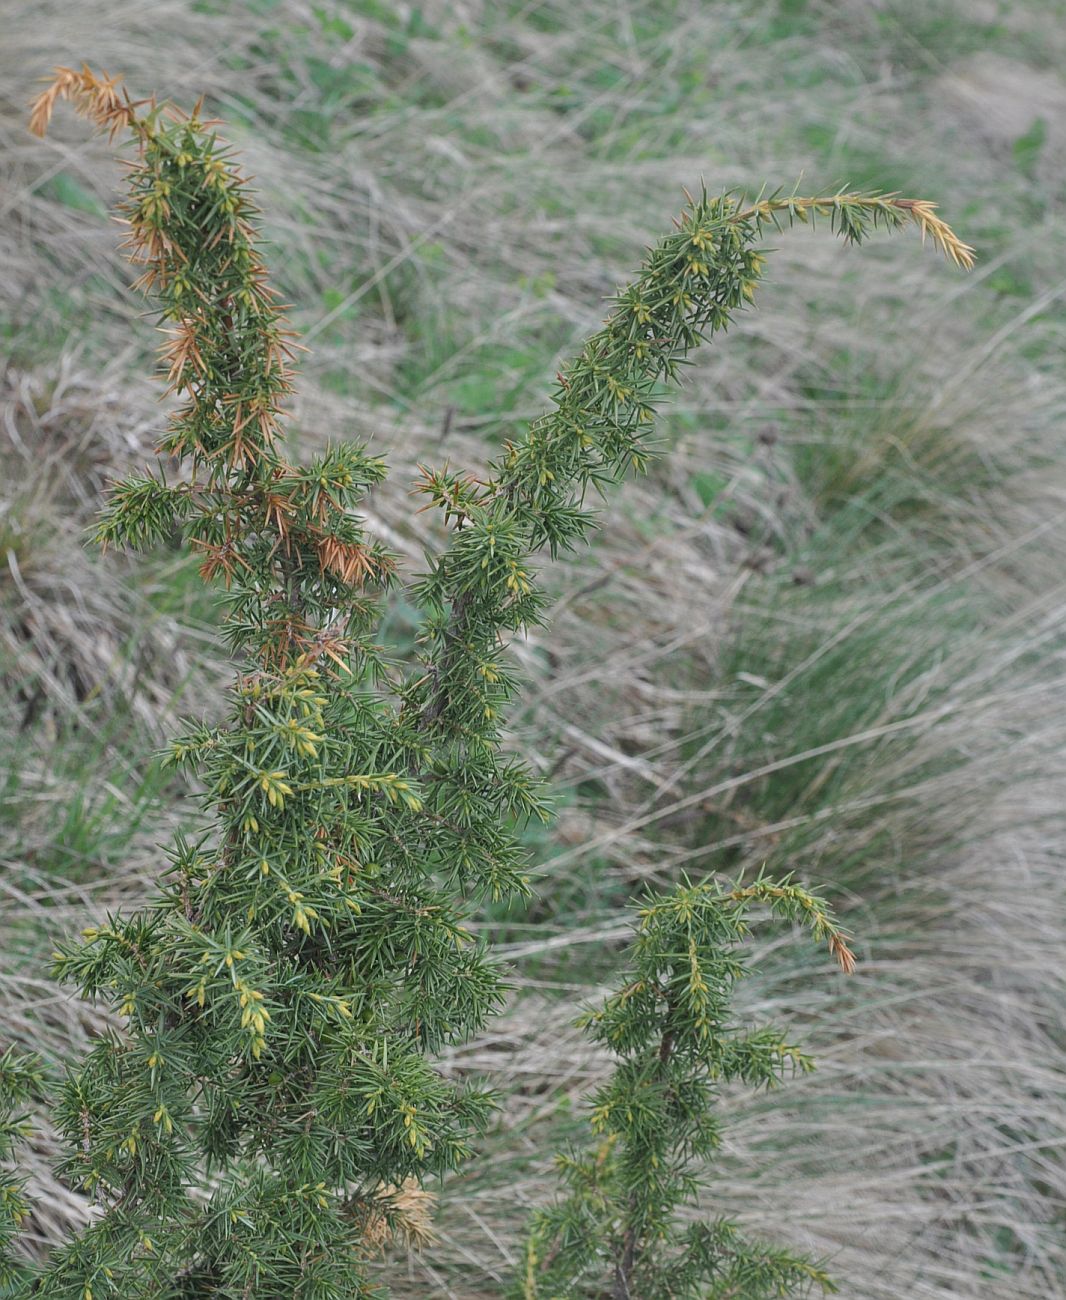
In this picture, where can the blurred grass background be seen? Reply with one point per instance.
(826, 633)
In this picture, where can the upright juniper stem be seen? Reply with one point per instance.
(265, 1120)
(673, 1031)
(270, 1110)
(637, 1200)
(600, 426)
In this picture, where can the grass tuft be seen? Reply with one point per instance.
(825, 635)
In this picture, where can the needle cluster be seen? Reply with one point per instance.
(674, 1034)
(267, 1109)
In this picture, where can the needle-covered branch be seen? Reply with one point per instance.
(266, 1117)
(20, 1085)
(537, 495)
(672, 1028)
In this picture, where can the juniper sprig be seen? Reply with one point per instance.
(20, 1085)
(268, 1112)
(672, 1029)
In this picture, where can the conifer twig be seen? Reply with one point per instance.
(270, 1110)
(673, 1033)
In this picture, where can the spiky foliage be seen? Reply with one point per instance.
(264, 1118)
(249, 1130)
(672, 1027)
(20, 1083)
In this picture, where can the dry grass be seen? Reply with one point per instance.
(827, 633)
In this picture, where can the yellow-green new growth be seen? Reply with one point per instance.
(671, 1026)
(265, 1118)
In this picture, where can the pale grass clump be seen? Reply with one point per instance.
(67, 620)
(929, 1132)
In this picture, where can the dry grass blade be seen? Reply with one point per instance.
(849, 571)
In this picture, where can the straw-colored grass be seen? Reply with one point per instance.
(827, 633)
